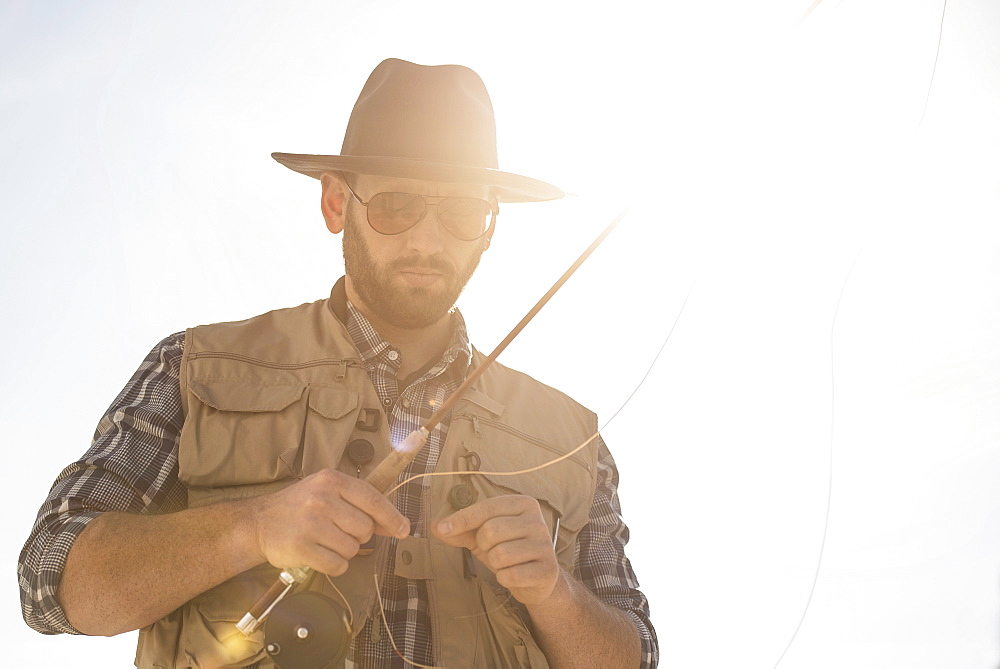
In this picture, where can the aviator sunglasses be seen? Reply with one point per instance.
(467, 218)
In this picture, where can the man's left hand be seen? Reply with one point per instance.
(510, 537)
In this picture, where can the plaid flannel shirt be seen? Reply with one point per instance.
(132, 466)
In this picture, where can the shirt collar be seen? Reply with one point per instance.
(374, 349)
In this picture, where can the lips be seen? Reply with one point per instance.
(420, 277)
(421, 272)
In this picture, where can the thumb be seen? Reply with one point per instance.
(444, 530)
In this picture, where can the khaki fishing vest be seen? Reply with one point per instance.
(277, 397)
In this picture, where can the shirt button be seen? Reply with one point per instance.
(405, 402)
(387, 401)
(392, 355)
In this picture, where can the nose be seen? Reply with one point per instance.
(427, 236)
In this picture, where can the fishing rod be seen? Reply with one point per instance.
(381, 478)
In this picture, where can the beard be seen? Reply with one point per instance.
(404, 307)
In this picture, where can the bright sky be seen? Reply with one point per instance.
(763, 158)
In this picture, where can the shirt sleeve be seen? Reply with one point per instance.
(601, 563)
(131, 466)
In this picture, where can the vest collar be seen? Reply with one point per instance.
(338, 300)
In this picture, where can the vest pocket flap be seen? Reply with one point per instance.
(332, 403)
(203, 633)
(241, 431)
(239, 395)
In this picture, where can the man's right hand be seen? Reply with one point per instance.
(322, 521)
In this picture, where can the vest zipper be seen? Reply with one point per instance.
(342, 363)
(476, 420)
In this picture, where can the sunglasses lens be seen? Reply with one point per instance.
(465, 217)
(392, 213)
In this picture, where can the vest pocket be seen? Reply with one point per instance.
(506, 640)
(203, 632)
(564, 489)
(330, 424)
(241, 432)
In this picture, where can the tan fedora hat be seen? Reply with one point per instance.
(433, 123)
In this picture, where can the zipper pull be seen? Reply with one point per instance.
(342, 370)
(475, 425)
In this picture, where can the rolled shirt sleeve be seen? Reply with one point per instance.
(131, 466)
(601, 564)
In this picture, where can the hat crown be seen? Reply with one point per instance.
(433, 113)
(424, 122)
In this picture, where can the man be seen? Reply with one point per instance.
(238, 446)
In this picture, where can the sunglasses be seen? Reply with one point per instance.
(467, 218)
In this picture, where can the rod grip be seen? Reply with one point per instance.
(382, 478)
(387, 471)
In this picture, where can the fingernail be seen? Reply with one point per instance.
(444, 527)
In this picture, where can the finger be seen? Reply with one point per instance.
(462, 540)
(363, 495)
(512, 534)
(322, 513)
(310, 554)
(472, 518)
(340, 542)
(324, 560)
(318, 532)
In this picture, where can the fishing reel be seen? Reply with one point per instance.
(307, 630)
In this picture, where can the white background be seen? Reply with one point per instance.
(764, 157)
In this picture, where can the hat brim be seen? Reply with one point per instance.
(506, 186)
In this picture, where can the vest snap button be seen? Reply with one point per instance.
(406, 557)
(360, 451)
(461, 496)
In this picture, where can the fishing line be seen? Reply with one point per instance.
(829, 482)
(396, 461)
(347, 604)
(937, 54)
(388, 630)
(813, 6)
(562, 457)
(581, 446)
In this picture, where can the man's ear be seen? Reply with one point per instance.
(333, 201)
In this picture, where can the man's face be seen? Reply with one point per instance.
(412, 279)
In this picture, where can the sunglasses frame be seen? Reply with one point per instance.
(494, 210)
